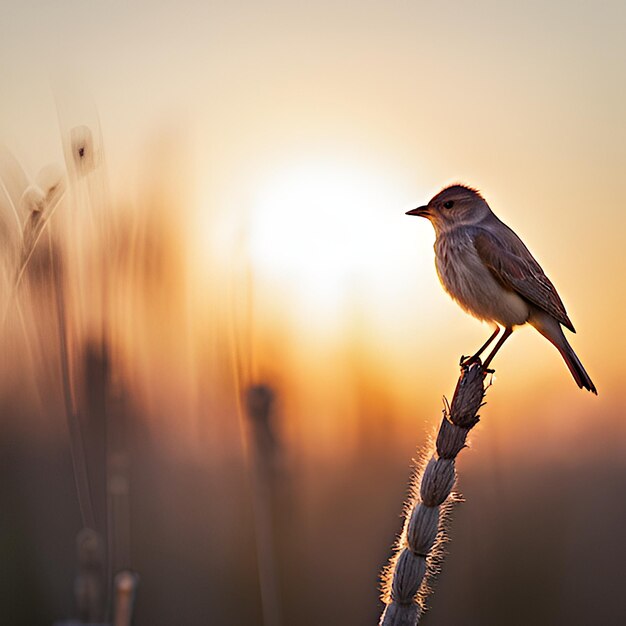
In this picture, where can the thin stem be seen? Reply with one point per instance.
(77, 445)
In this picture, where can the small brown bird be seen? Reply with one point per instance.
(487, 269)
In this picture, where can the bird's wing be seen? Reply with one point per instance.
(514, 267)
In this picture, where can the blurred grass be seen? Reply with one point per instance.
(549, 550)
(152, 363)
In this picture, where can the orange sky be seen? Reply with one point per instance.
(301, 133)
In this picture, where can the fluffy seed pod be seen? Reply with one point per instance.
(33, 200)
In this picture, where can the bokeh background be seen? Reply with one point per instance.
(240, 221)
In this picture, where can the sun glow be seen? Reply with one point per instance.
(320, 242)
(326, 226)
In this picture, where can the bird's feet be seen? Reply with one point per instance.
(467, 361)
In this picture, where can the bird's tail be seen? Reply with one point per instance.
(576, 367)
(551, 330)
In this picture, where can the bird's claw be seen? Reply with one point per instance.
(466, 361)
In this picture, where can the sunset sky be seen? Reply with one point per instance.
(240, 220)
(301, 133)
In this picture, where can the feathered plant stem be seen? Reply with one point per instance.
(418, 550)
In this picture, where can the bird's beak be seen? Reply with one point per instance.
(422, 211)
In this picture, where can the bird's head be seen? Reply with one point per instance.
(454, 206)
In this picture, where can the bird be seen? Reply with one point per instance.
(486, 268)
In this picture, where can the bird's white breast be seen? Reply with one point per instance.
(466, 278)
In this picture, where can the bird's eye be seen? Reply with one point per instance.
(449, 204)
